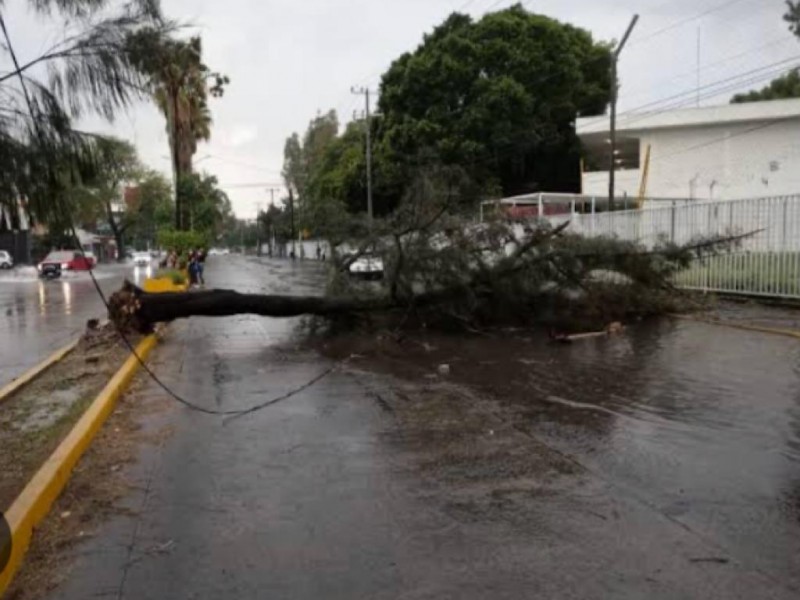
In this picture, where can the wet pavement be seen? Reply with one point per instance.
(661, 463)
(39, 317)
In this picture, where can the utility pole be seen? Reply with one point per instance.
(271, 233)
(258, 228)
(365, 92)
(291, 218)
(614, 93)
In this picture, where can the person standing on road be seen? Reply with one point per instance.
(193, 268)
(201, 265)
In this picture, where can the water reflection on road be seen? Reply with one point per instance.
(37, 317)
(700, 422)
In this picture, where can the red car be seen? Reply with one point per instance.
(65, 260)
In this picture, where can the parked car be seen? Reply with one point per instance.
(367, 266)
(6, 262)
(141, 259)
(64, 260)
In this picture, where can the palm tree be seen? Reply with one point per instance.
(88, 70)
(180, 85)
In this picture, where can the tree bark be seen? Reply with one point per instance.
(134, 309)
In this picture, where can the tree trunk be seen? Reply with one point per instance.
(134, 309)
(118, 232)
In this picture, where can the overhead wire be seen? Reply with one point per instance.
(682, 22)
(685, 74)
(62, 207)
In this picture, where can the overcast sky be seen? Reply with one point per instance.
(288, 59)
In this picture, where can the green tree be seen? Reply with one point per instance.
(497, 97)
(792, 16)
(785, 86)
(180, 83)
(340, 175)
(294, 171)
(155, 209)
(208, 206)
(102, 191)
(301, 160)
(88, 71)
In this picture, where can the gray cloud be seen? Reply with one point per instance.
(287, 59)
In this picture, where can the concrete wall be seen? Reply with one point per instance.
(625, 182)
(718, 162)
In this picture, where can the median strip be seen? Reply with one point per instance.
(35, 500)
(31, 374)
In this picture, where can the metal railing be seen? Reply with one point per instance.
(766, 263)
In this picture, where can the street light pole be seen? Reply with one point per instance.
(612, 166)
(365, 92)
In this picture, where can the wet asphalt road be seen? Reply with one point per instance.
(39, 317)
(670, 470)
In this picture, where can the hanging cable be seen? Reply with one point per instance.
(64, 209)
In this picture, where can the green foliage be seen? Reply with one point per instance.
(302, 160)
(182, 241)
(87, 71)
(208, 207)
(180, 83)
(498, 97)
(275, 221)
(177, 277)
(294, 168)
(152, 208)
(339, 177)
(785, 86)
(792, 16)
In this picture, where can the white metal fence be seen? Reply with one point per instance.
(765, 264)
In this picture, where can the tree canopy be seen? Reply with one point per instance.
(208, 207)
(180, 83)
(88, 71)
(496, 97)
(787, 85)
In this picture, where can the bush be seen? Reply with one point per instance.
(181, 241)
(177, 277)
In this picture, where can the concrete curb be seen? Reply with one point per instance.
(34, 372)
(33, 504)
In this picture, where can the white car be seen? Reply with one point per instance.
(141, 259)
(367, 266)
(6, 262)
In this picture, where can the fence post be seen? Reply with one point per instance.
(672, 223)
(785, 219)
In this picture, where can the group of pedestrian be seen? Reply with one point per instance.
(194, 263)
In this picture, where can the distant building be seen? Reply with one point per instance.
(712, 153)
(15, 232)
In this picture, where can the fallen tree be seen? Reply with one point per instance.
(464, 276)
(133, 309)
(441, 269)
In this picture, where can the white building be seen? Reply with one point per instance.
(719, 153)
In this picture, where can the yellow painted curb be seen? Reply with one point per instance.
(743, 326)
(32, 505)
(31, 374)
